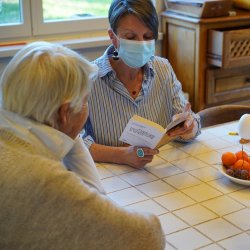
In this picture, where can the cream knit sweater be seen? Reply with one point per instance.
(44, 206)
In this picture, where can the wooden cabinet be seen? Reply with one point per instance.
(210, 56)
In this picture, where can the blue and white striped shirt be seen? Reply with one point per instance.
(111, 106)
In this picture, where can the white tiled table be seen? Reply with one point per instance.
(197, 206)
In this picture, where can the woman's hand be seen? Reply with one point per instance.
(188, 129)
(185, 129)
(132, 159)
(123, 155)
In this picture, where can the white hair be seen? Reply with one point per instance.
(41, 77)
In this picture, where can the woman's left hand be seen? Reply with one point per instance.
(185, 129)
(188, 129)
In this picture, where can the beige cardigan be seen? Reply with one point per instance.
(44, 206)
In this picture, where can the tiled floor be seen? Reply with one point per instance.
(197, 206)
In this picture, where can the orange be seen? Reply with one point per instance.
(242, 155)
(241, 164)
(228, 158)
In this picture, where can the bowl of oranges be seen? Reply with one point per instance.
(236, 166)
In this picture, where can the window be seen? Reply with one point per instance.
(74, 9)
(14, 21)
(10, 12)
(22, 19)
(51, 17)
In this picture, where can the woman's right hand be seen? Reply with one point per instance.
(122, 155)
(130, 157)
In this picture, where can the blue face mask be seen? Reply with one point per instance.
(136, 53)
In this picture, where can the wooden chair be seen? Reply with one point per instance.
(221, 114)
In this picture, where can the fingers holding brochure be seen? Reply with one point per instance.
(186, 127)
(183, 128)
(141, 132)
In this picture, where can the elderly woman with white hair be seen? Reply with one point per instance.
(44, 91)
(49, 84)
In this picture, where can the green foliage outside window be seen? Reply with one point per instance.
(9, 12)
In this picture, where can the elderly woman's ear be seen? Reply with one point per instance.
(63, 117)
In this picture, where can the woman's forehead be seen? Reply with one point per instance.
(132, 23)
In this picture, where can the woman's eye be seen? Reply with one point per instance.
(130, 37)
(148, 37)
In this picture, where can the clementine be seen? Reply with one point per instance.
(242, 155)
(228, 158)
(241, 164)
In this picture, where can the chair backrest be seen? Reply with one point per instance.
(221, 114)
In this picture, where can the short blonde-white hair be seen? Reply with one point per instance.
(41, 77)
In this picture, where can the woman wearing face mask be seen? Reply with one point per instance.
(131, 80)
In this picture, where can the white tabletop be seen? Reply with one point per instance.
(198, 207)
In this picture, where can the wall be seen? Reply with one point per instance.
(89, 53)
